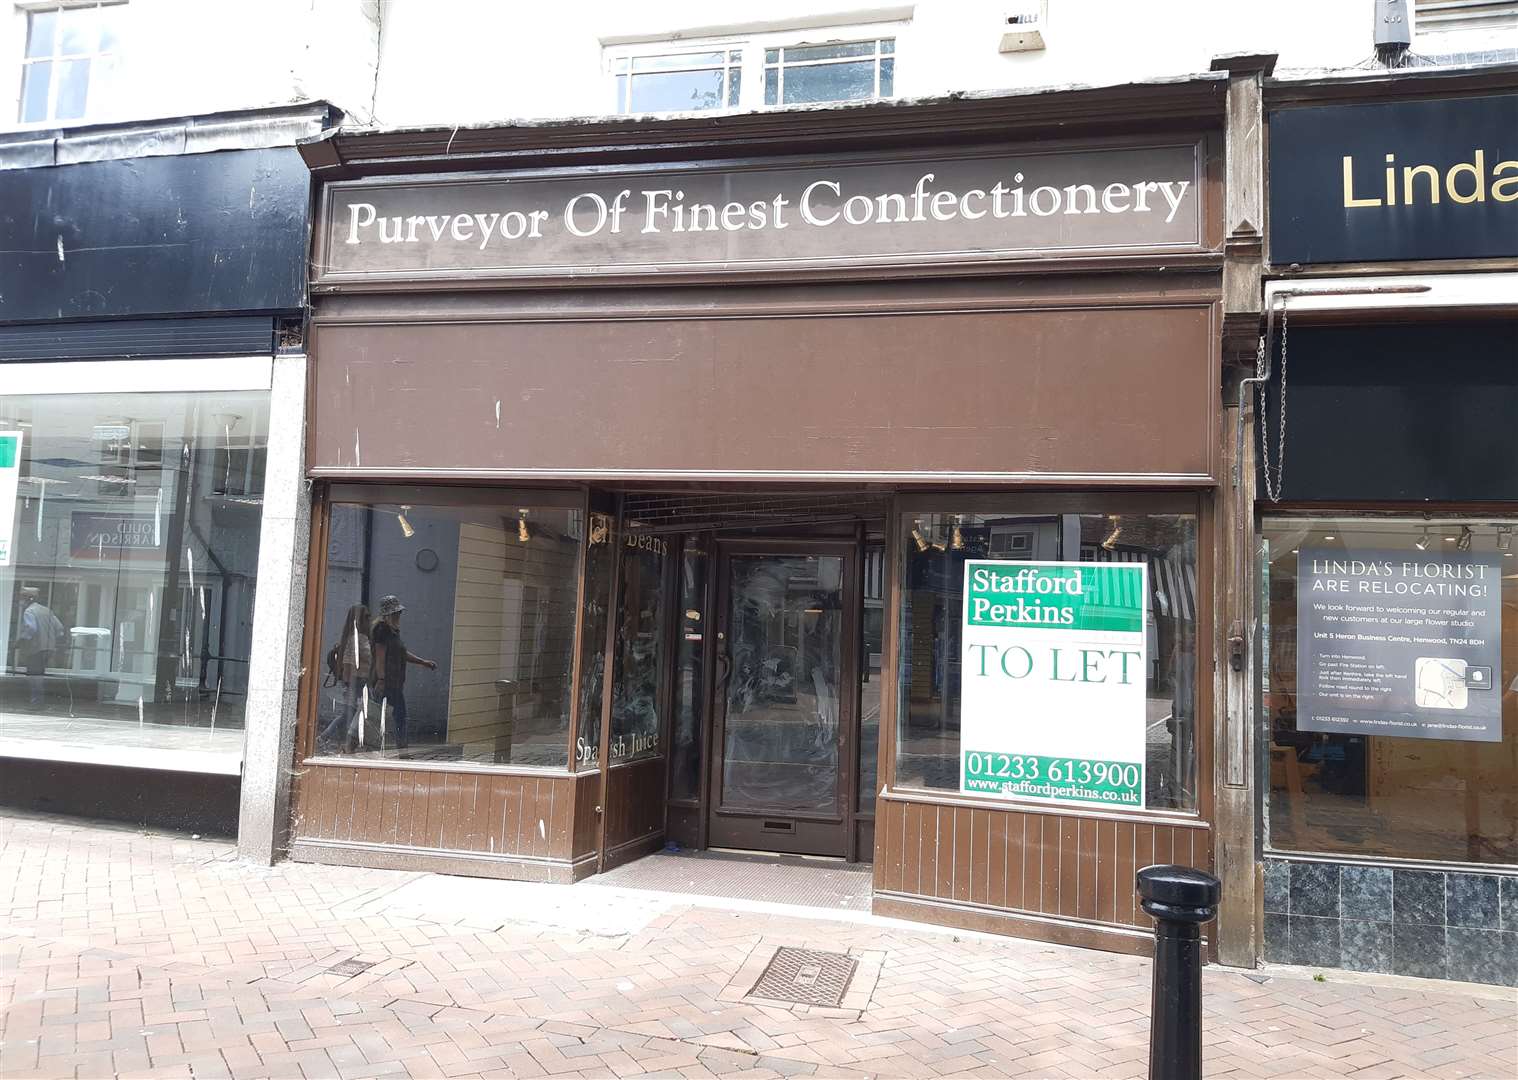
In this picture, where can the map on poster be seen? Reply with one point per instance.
(1395, 644)
(10, 475)
(1052, 702)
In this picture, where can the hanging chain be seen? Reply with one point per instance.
(1262, 369)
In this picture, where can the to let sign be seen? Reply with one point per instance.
(1052, 702)
(971, 207)
(1395, 181)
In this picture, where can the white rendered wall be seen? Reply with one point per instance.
(472, 62)
(188, 57)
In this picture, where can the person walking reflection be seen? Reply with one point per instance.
(350, 661)
(41, 631)
(388, 670)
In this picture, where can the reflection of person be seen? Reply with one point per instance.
(387, 671)
(354, 660)
(40, 634)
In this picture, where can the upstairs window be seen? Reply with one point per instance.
(768, 70)
(851, 71)
(71, 53)
(679, 82)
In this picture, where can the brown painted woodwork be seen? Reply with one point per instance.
(493, 823)
(634, 810)
(997, 381)
(979, 864)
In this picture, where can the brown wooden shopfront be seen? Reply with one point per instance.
(825, 436)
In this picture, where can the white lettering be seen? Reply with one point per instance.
(357, 220)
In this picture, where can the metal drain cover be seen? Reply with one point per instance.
(806, 977)
(352, 967)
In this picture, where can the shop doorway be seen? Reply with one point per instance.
(782, 707)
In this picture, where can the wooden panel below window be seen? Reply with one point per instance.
(974, 866)
(495, 824)
(634, 810)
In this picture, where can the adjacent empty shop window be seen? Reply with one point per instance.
(129, 570)
(448, 630)
(848, 71)
(1390, 686)
(71, 56)
(679, 82)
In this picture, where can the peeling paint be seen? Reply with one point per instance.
(498, 414)
(60, 249)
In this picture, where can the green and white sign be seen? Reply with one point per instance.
(10, 473)
(1052, 702)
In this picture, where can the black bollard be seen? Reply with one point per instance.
(1181, 900)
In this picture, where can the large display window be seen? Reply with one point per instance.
(1048, 654)
(129, 536)
(1390, 686)
(448, 626)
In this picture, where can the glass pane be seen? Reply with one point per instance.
(797, 53)
(887, 77)
(621, 93)
(635, 721)
(772, 56)
(676, 61)
(871, 657)
(830, 82)
(41, 26)
(734, 85)
(598, 567)
(78, 31)
(34, 87)
(448, 633)
(780, 747)
(682, 91)
(934, 549)
(772, 87)
(887, 46)
(690, 675)
(1424, 622)
(735, 56)
(130, 596)
(73, 89)
(109, 19)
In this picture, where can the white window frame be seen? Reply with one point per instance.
(23, 17)
(781, 65)
(753, 47)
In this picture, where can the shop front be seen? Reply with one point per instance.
(1387, 509)
(153, 304)
(838, 486)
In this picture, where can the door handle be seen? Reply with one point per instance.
(724, 669)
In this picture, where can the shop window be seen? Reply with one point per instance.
(848, 71)
(595, 617)
(678, 82)
(448, 630)
(1136, 748)
(1390, 686)
(130, 576)
(690, 674)
(70, 61)
(636, 728)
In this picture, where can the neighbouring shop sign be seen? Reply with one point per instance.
(94, 535)
(1052, 701)
(10, 476)
(1395, 180)
(1389, 644)
(971, 206)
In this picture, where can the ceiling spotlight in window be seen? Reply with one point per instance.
(1422, 542)
(1117, 530)
(406, 530)
(1466, 536)
(524, 533)
(920, 540)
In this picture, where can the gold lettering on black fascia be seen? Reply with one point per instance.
(1465, 183)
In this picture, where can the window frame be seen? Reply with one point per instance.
(878, 55)
(752, 66)
(24, 12)
(1053, 503)
(1432, 515)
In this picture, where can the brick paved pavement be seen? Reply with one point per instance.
(143, 954)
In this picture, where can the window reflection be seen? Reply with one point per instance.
(934, 549)
(134, 558)
(636, 701)
(448, 632)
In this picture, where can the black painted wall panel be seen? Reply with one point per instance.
(197, 233)
(1400, 412)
